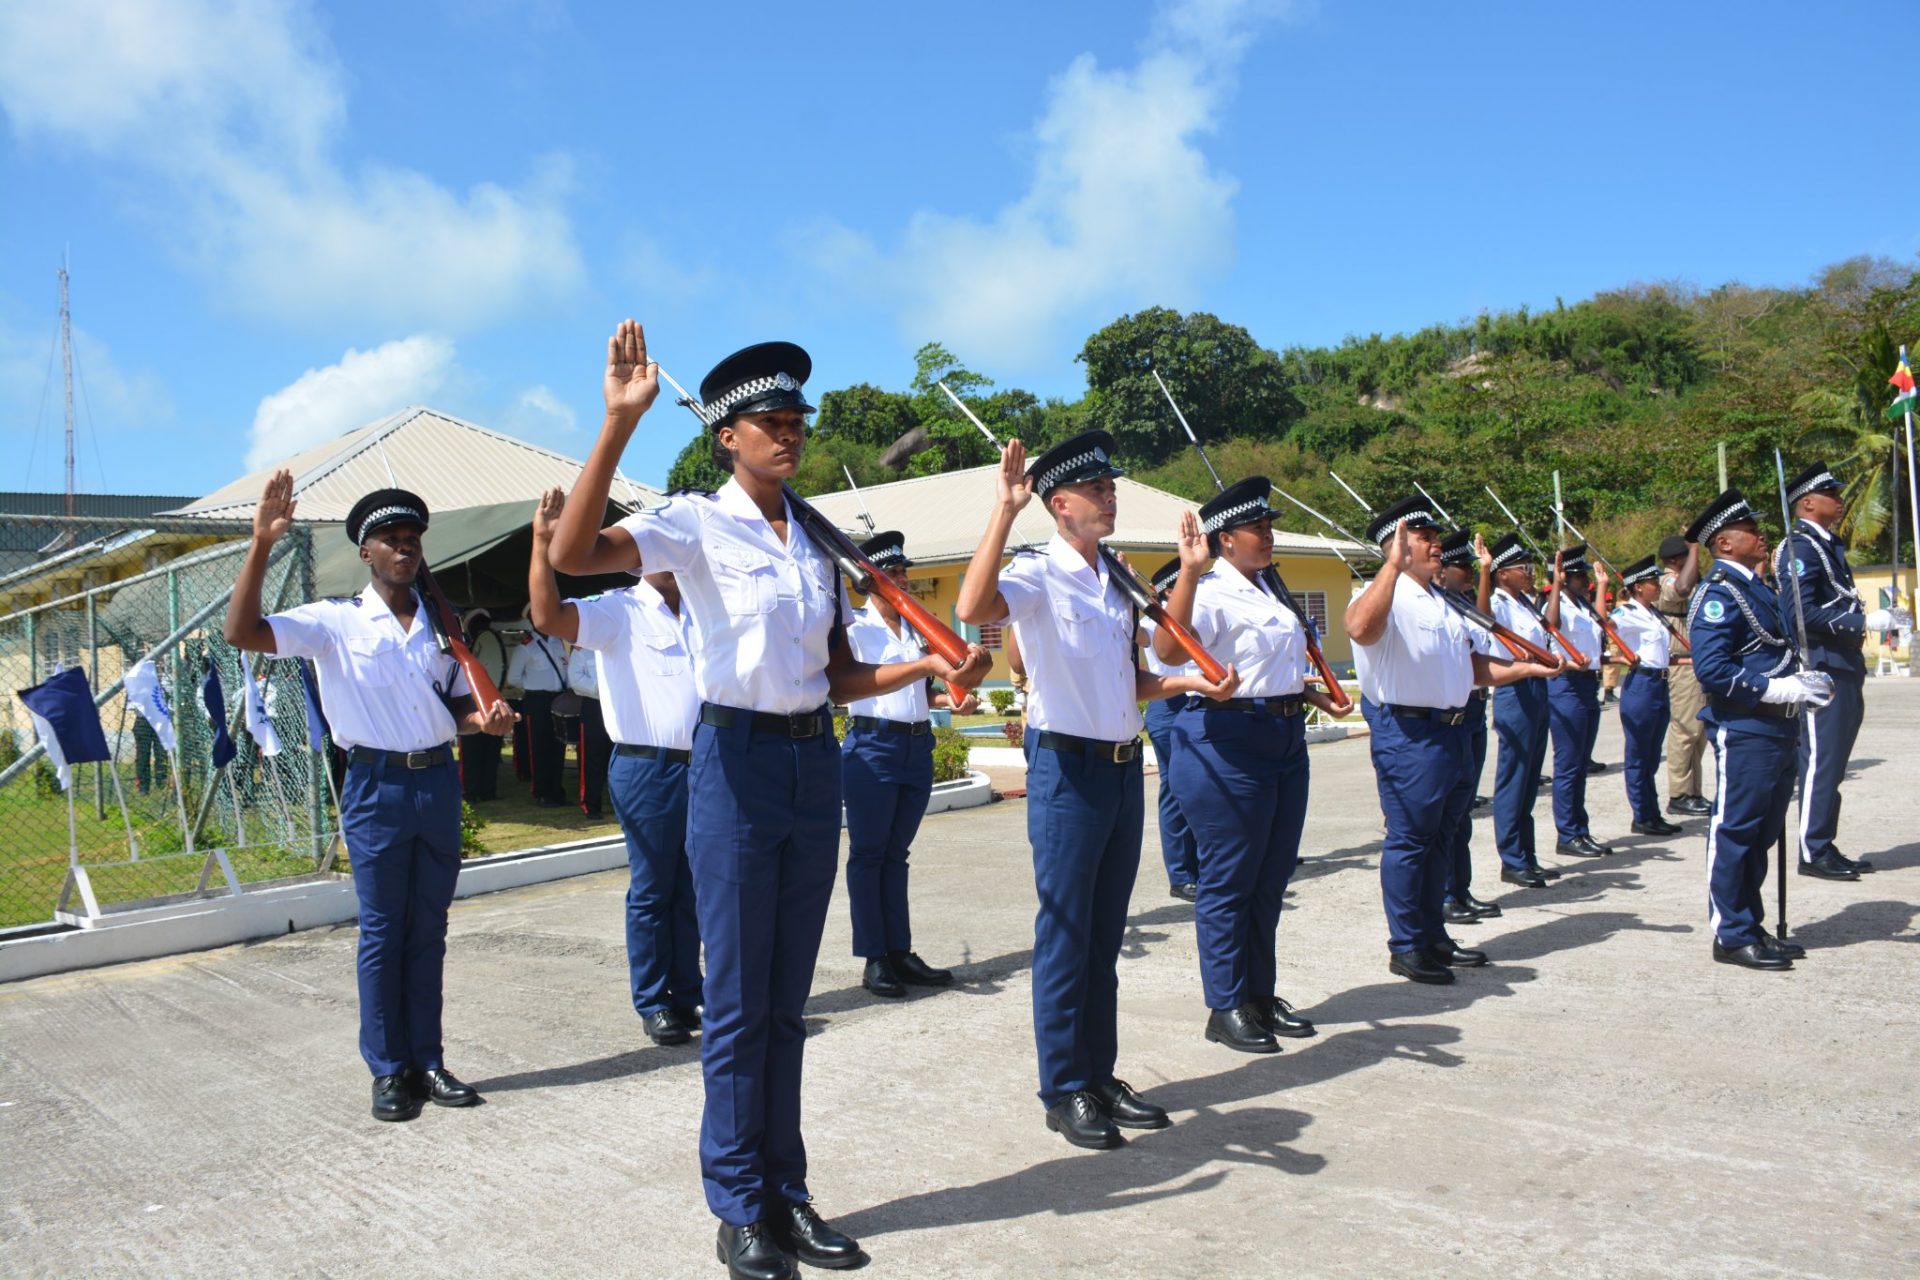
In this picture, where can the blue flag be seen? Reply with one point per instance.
(223, 748)
(67, 721)
(316, 718)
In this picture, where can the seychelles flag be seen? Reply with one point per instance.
(1902, 383)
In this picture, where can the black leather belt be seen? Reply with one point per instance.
(918, 728)
(427, 759)
(806, 724)
(1771, 710)
(1439, 715)
(1069, 744)
(1650, 673)
(1584, 675)
(1291, 705)
(673, 755)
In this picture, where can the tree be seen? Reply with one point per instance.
(694, 468)
(1226, 383)
(865, 414)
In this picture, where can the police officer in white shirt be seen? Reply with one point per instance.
(1573, 702)
(594, 748)
(887, 769)
(480, 752)
(1644, 708)
(538, 666)
(763, 823)
(394, 703)
(1519, 718)
(633, 642)
(1466, 568)
(1418, 669)
(1178, 852)
(1085, 794)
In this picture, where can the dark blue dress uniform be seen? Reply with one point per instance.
(1240, 768)
(1520, 722)
(763, 817)
(1178, 852)
(1419, 679)
(384, 688)
(1836, 631)
(1738, 628)
(1645, 708)
(1573, 709)
(886, 760)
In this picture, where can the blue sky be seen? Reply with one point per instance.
(286, 219)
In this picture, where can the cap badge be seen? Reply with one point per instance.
(785, 382)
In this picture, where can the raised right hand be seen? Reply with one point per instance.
(1011, 484)
(632, 381)
(1192, 543)
(274, 516)
(547, 514)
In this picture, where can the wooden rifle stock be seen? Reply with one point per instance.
(1518, 645)
(1336, 693)
(1606, 625)
(447, 631)
(1189, 644)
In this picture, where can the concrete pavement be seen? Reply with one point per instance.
(1602, 1100)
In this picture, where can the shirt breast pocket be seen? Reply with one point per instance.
(371, 661)
(748, 582)
(663, 655)
(1084, 631)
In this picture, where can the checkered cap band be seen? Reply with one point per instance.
(1825, 480)
(1738, 511)
(721, 405)
(1648, 574)
(1392, 526)
(1053, 474)
(381, 515)
(1234, 514)
(888, 556)
(1515, 554)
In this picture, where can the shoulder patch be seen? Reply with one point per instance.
(1713, 611)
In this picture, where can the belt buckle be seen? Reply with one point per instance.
(920, 729)
(419, 759)
(1126, 752)
(803, 726)
(1455, 718)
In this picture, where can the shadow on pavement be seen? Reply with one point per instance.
(1880, 921)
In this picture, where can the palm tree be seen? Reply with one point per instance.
(1835, 425)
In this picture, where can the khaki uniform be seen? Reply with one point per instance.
(1686, 736)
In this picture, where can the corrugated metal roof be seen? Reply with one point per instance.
(942, 517)
(447, 461)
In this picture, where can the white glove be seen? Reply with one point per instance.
(1809, 688)
(1879, 620)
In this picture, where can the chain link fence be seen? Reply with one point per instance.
(146, 824)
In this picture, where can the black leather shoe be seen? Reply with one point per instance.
(881, 979)
(1420, 967)
(1460, 913)
(751, 1254)
(1279, 1018)
(1578, 847)
(1860, 865)
(1828, 866)
(441, 1088)
(664, 1027)
(1485, 910)
(1242, 1029)
(1453, 955)
(812, 1239)
(1551, 873)
(1128, 1109)
(1186, 891)
(1481, 802)
(1594, 766)
(688, 1018)
(1689, 806)
(1781, 947)
(1529, 878)
(910, 968)
(1081, 1120)
(1658, 827)
(392, 1100)
(1751, 956)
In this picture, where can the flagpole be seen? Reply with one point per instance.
(180, 795)
(1913, 505)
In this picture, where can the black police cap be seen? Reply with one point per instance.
(1673, 547)
(887, 550)
(1088, 456)
(757, 379)
(1510, 550)
(1645, 569)
(1414, 513)
(1729, 508)
(1242, 502)
(1573, 559)
(1815, 478)
(1457, 547)
(383, 507)
(1162, 579)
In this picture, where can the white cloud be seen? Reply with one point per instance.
(538, 412)
(109, 402)
(228, 115)
(1123, 207)
(364, 386)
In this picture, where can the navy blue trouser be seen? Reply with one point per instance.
(763, 837)
(1420, 767)
(1749, 814)
(1246, 778)
(1644, 715)
(1084, 821)
(888, 777)
(1826, 743)
(1520, 721)
(402, 831)
(1177, 848)
(663, 925)
(1573, 720)
(1460, 870)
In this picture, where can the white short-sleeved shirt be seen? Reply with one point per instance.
(763, 608)
(640, 656)
(1579, 625)
(872, 640)
(583, 676)
(1423, 659)
(1241, 623)
(1643, 631)
(376, 677)
(538, 664)
(1517, 616)
(1151, 657)
(1076, 637)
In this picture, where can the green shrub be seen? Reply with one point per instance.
(9, 748)
(950, 750)
(470, 825)
(1002, 700)
(46, 782)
